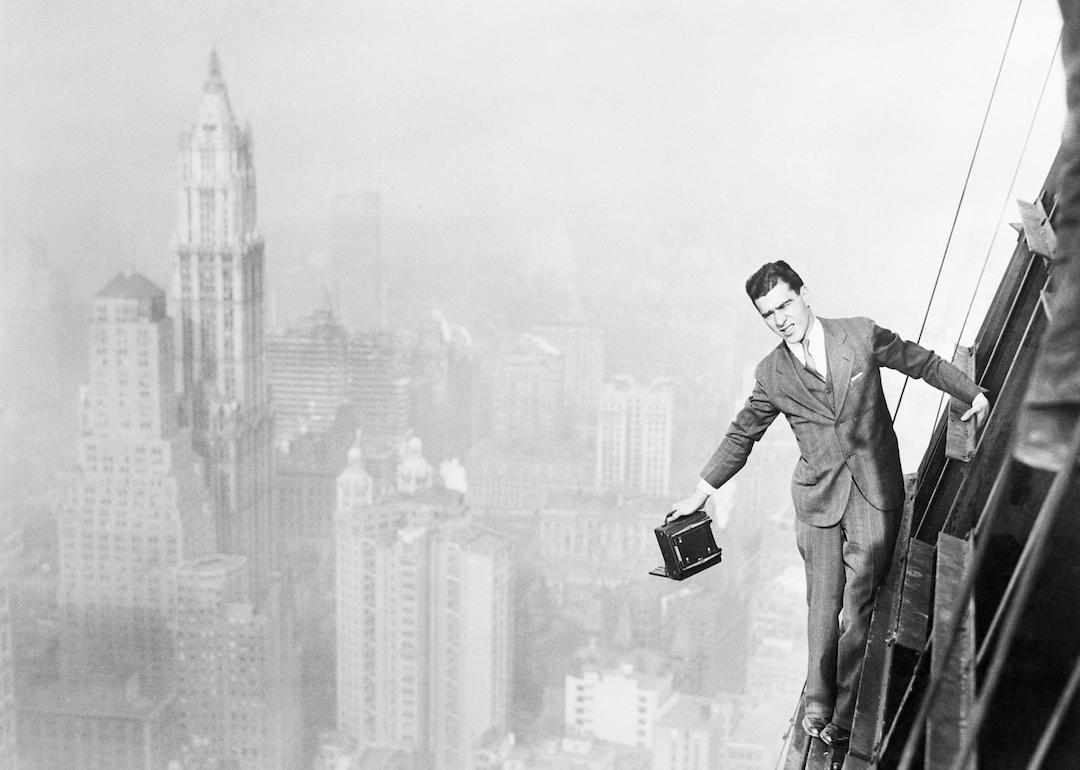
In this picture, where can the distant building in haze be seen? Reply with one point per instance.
(507, 477)
(308, 375)
(136, 504)
(306, 473)
(423, 622)
(583, 351)
(691, 733)
(633, 445)
(526, 403)
(97, 724)
(379, 386)
(356, 259)
(238, 688)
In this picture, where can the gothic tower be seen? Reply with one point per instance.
(218, 295)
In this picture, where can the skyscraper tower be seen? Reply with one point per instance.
(423, 626)
(136, 506)
(219, 303)
(633, 446)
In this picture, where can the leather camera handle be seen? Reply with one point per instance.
(668, 517)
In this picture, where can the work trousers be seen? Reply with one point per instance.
(844, 565)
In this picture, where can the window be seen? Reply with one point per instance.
(206, 216)
(206, 165)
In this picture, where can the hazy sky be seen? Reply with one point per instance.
(833, 134)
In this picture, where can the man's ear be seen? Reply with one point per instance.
(805, 294)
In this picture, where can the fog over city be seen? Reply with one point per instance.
(493, 239)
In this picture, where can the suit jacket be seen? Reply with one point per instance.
(848, 440)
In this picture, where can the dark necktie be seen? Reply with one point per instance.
(811, 364)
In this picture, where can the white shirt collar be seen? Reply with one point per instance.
(815, 338)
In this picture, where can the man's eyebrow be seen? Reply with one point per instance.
(785, 303)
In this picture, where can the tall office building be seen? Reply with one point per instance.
(527, 402)
(633, 445)
(307, 471)
(356, 259)
(136, 505)
(583, 349)
(384, 596)
(238, 689)
(423, 625)
(380, 386)
(218, 285)
(470, 644)
(308, 375)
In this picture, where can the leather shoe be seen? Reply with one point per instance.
(835, 736)
(813, 726)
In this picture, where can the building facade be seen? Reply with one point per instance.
(135, 506)
(308, 373)
(633, 444)
(238, 689)
(105, 724)
(527, 404)
(423, 625)
(618, 697)
(583, 351)
(380, 386)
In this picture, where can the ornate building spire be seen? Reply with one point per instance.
(216, 119)
(214, 79)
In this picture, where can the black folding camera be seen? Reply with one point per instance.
(687, 545)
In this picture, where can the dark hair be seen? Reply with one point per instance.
(768, 275)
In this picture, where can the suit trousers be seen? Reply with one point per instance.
(844, 564)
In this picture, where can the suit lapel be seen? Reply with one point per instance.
(839, 356)
(791, 385)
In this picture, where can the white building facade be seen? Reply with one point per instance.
(633, 445)
(136, 505)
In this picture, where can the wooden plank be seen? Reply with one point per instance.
(877, 661)
(1038, 233)
(948, 718)
(916, 596)
(960, 444)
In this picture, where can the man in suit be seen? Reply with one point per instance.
(847, 486)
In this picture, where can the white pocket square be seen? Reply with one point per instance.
(857, 376)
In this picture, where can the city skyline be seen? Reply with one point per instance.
(415, 522)
(629, 140)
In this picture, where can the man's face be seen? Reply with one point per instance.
(785, 311)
